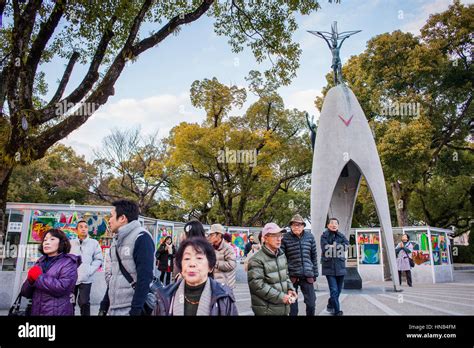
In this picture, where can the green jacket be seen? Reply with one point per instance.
(269, 282)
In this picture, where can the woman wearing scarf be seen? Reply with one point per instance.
(196, 293)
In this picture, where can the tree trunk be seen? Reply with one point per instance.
(5, 174)
(400, 198)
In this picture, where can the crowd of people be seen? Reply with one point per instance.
(197, 277)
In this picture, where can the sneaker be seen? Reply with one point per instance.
(330, 309)
(339, 313)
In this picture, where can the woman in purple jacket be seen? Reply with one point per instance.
(52, 279)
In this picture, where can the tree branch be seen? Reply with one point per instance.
(65, 79)
(451, 129)
(45, 32)
(91, 77)
(269, 198)
(21, 38)
(2, 7)
(106, 87)
(22, 28)
(3, 88)
(460, 148)
(167, 29)
(137, 22)
(239, 10)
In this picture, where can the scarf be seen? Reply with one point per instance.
(204, 307)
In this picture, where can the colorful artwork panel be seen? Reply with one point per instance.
(370, 254)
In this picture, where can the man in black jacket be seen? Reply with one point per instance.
(299, 247)
(334, 245)
(249, 245)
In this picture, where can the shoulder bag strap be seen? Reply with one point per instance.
(123, 270)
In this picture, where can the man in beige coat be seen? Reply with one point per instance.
(224, 272)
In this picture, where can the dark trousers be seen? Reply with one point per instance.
(83, 300)
(105, 303)
(408, 274)
(168, 277)
(309, 297)
(335, 287)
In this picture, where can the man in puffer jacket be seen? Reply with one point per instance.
(134, 246)
(271, 290)
(91, 256)
(299, 247)
(224, 272)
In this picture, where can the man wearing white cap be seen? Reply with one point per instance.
(224, 271)
(270, 287)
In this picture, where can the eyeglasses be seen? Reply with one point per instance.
(276, 235)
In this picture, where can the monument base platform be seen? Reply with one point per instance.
(352, 280)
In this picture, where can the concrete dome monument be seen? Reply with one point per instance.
(344, 151)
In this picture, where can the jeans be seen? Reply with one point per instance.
(335, 287)
(309, 297)
(84, 291)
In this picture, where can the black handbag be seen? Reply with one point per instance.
(15, 310)
(150, 301)
(412, 263)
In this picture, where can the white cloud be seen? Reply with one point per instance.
(418, 20)
(158, 113)
(303, 100)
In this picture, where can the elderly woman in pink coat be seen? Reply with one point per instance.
(403, 251)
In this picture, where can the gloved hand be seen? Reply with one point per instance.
(34, 273)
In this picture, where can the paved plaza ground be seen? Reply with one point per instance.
(378, 298)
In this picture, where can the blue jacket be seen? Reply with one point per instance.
(333, 260)
(143, 255)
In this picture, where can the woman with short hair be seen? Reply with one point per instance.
(196, 293)
(51, 281)
(192, 229)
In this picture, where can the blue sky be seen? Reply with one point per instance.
(153, 92)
